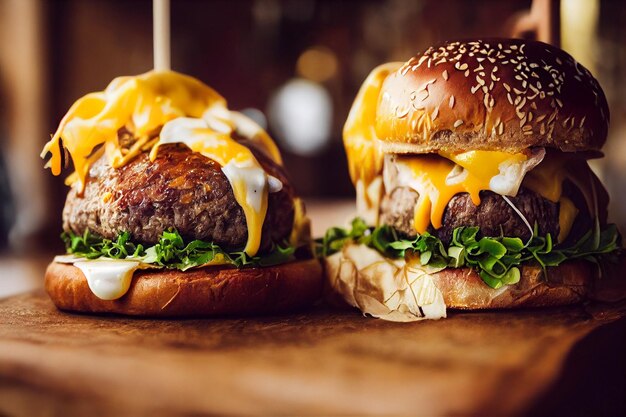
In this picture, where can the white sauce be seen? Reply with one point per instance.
(512, 173)
(108, 279)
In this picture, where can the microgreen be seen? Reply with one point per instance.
(496, 259)
(171, 251)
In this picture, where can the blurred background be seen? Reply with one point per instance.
(293, 65)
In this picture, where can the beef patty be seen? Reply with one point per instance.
(494, 215)
(181, 189)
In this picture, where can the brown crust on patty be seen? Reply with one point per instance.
(204, 292)
(180, 189)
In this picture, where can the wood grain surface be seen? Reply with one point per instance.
(321, 362)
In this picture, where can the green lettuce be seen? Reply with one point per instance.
(496, 259)
(171, 251)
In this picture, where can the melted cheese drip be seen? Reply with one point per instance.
(247, 177)
(365, 159)
(176, 104)
(547, 181)
(108, 279)
(439, 178)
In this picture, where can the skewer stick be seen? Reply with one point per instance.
(161, 34)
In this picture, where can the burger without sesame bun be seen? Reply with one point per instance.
(178, 207)
(473, 188)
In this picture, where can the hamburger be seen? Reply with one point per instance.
(470, 163)
(177, 206)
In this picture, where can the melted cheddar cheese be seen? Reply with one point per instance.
(168, 107)
(438, 178)
(365, 159)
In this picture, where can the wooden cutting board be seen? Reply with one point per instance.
(322, 362)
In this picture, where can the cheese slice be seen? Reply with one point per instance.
(438, 178)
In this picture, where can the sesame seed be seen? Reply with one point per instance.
(501, 128)
(582, 122)
(435, 113)
(451, 102)
(445, 75)
(542, 129)
(508, 96)
(467, 73)
(458, 123)
(506, 87)
(460, 67)
(479, 68)
(480, 80)
(560, 103)
(475, 88)
(540, 118)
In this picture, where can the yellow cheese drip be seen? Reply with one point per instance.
(547, 181)
(429, 180)
(365, 160)
(144, 104)
(429, 173)
(229, 154)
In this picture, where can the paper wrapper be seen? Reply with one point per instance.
(394, 290)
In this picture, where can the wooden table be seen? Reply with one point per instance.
(564, 361)
(318, 362)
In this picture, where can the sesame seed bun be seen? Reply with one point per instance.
(203, 292)
(492, 94)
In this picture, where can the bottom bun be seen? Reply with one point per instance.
(568, 283)
(382, 286)
(204, 292)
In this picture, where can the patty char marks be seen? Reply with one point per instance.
(494, 216)
(181, 189)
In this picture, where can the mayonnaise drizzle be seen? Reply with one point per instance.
(108, 279)
(249, 181)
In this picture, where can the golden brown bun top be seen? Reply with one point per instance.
(494, 94)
